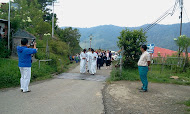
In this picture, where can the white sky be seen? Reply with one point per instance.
(128, 13)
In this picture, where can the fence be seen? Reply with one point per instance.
(167, 61)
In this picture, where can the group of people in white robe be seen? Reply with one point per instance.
(91, 59)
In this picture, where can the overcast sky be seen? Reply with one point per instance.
(127, 13)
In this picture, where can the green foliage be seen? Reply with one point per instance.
(10, 74)
(42, 28)
(28, 15)
(131, 40)
(58, 47)
(71, 37)
(58, 52)
(187, 103)
(5, 53)
(184, 42)
(126, 74)
(154, 75)
(34, 17)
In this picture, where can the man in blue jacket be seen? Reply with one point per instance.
(25, 62)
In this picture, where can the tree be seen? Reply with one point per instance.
(183, 42)
(43, 28)
(71, 37)
(131, 40)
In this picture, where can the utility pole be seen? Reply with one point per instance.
(9, 25)
(181, 6)
(90, 39)
(53, 20)
(181, 17)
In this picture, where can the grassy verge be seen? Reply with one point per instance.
(10, 74)
(154, 75)
(187, 103)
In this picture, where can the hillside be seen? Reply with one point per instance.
(105, 36)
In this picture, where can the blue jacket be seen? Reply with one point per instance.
(24, 55)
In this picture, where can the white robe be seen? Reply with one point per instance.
(89, 60)
(83, 62)
(93, 58)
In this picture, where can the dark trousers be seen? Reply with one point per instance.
(108, 62)
(99, 63)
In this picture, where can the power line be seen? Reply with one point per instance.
(157, 21)
(186, 14)
(162, 17)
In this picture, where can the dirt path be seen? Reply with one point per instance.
(123, 97)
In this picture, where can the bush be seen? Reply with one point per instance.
(10, 73)
(130, 74)
(5, 53)
(130, 41)
(58, 53)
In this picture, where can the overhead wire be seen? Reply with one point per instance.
(150, 25)
(186, 14)
(162, 17)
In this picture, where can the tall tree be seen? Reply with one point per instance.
(131, 40)
(71, 36)
(184, 42)
(27, 15)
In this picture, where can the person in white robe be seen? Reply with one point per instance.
(93, 58)
(83, 57)
(89, 60)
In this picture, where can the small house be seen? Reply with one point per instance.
(17, 39)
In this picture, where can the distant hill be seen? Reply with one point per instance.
(105, 36)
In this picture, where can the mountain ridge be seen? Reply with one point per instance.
(105, 36)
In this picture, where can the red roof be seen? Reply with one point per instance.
(164, 52)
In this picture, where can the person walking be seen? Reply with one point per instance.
(89, 60)
(108, 59)
(143, 67)
(99, 59)
(93, 58)
(103, 58)
(25, 62)
(83, 61)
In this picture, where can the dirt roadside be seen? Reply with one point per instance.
(123, 97)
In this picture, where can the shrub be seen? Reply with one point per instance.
(5, 53)
(130, 41)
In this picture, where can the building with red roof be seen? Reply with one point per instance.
(164, 52)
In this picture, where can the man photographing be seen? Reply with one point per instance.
(25, 62)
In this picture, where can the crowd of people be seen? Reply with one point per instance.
(92, 60)
(75, 58)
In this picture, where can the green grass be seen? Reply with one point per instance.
(10, 74)
(187, 103)
(154, 75)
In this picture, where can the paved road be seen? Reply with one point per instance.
(61, 95)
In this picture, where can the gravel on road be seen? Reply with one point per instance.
(123, 97)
